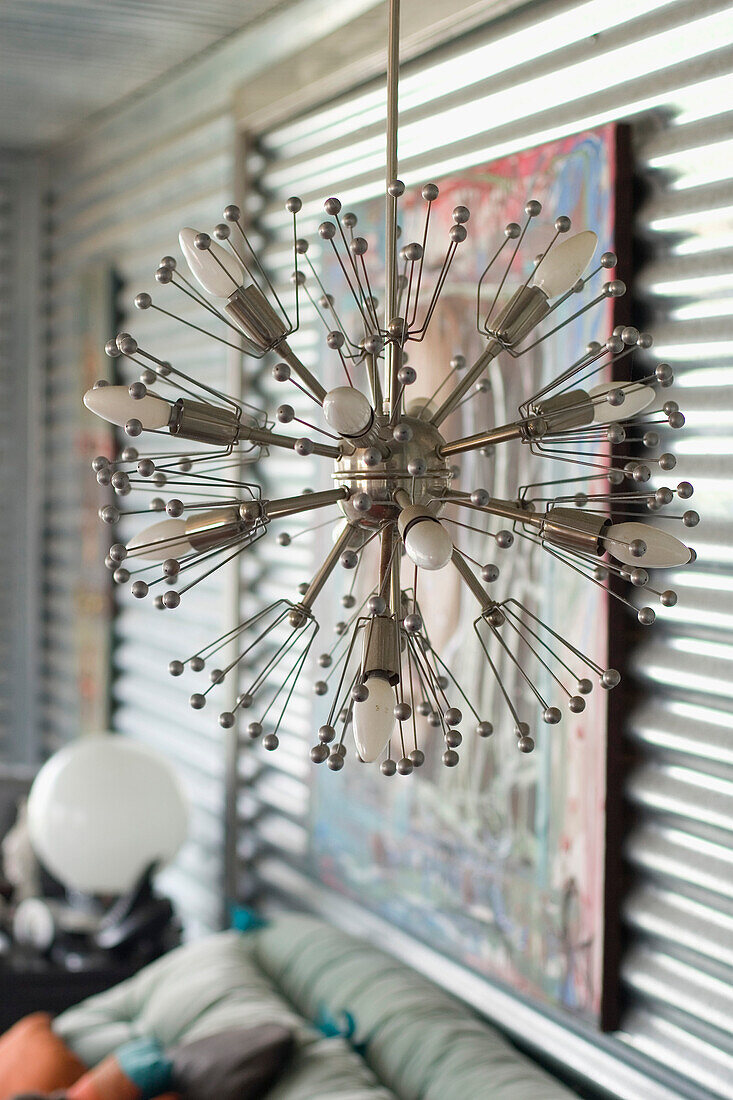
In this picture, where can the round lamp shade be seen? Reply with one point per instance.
(101, 810)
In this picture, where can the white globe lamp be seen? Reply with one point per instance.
(103, 809)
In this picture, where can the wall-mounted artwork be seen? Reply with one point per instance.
(499, 863)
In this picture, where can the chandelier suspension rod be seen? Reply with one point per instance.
(390, 235)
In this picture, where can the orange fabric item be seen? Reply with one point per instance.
(34, 1059)
(105, 1082)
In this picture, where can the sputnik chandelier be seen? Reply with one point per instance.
(392, 474)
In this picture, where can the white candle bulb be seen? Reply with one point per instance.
(374, 719)
(218, 272)
(637, 397)
(166, 539)
(347, 411)
(428, 544)
(663, 551)
(565, 263)
(114, 404)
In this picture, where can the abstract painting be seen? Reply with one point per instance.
(498, 863)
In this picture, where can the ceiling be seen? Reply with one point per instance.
(64, 60)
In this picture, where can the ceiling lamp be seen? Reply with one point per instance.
(392, 474)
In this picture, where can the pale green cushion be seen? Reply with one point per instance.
(210, 986)
(419, 1042)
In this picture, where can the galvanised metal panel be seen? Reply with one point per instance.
(130, 222)
(20, 433)
(60, 63)
(120, 187)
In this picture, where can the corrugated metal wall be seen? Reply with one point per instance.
(552, 70)
(129, 216)
(118, 195)
(20, 435)
(121, 193)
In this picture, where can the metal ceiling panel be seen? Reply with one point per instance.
(62, 61)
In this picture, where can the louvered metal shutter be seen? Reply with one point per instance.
(20, 424)
(554, 70)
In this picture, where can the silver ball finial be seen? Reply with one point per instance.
(413, 623)
(281, 372)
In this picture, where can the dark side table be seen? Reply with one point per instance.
(32, 983)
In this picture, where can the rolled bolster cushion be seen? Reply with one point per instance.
(139, 1070)
(34, 1059)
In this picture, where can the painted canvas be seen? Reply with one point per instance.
(499, 862)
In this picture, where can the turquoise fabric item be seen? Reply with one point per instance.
(410, 1040)
(147, 1065)
(244, 919)
(343, 1025)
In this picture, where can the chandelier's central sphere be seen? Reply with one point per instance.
(413, 462)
